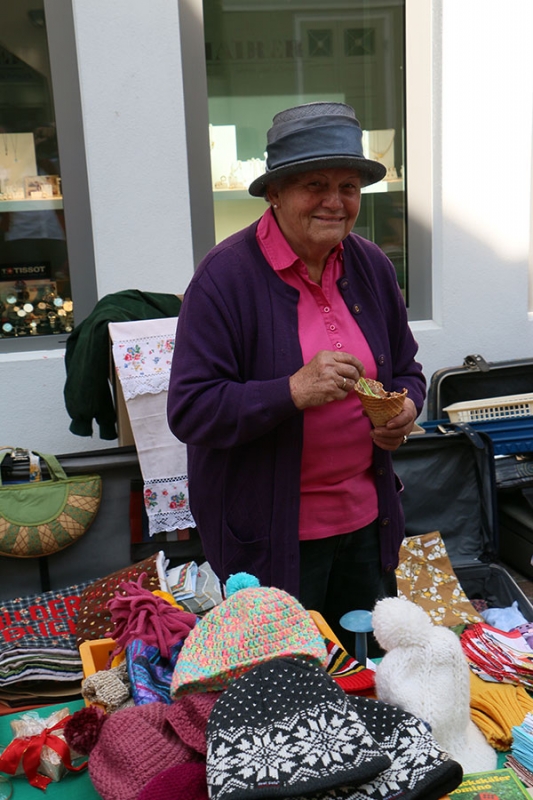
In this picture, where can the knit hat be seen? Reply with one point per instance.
(496, 708)
(133, 745)
(286, 728)
(425, 672)
(255, 623)
(184, 781)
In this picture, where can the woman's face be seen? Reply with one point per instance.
(317, 209)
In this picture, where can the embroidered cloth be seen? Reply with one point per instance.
(142, 354)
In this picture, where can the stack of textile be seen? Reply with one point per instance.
(39, 656)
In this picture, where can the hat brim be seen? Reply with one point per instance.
(370, 171)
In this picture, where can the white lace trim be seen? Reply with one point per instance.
(167, 504)
(144, 384)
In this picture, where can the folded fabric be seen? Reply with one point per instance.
(425, 576)
(496, 708)
(149, 672)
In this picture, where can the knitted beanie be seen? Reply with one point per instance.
(133, 745)
(496, 708)
(184, 781)
(255, 623)
(425, 672)
(285, 728)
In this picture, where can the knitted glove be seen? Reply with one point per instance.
(496, 708)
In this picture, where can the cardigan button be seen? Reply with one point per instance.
(384, 522)
(356, 309)
(381, 360)
(380, 471)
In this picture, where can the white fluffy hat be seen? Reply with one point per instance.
(425, 672)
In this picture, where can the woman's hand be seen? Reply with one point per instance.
(391, 435)
(328, 376)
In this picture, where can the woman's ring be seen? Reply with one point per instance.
(343, 387)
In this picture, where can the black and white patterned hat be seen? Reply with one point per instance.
(285, 729)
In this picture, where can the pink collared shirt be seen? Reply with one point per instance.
(338, 494)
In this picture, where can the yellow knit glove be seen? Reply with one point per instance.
(496, 708)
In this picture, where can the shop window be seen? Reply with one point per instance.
(36, 293)
(263, 58)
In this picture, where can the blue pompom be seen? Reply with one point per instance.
(241, 580)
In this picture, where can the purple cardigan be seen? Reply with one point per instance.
(229, 401)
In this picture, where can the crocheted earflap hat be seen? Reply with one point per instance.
(283, 729)
(255, 623)
(315, 136)
(425, 672)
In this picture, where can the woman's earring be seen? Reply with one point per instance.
(275, 205)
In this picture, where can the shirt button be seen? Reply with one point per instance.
(356, 309)
(338, 345)
(326, 309)
(332, 327)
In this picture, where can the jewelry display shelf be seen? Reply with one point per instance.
(242, 194)
(31, 205)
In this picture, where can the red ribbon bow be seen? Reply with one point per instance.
(28, 750)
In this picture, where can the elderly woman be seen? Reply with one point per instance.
(288, 480)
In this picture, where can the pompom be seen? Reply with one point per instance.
(83, 729)
(398, 622)
(241, 580)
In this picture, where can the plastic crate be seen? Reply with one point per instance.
(491, 408)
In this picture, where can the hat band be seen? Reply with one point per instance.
(321, 141)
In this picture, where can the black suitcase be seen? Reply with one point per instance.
(512, 437)
(476, 379)
(449, 483)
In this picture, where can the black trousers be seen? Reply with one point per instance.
(343, 573)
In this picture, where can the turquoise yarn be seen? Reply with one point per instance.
(240, 580)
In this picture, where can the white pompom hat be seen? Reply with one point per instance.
(425, 672)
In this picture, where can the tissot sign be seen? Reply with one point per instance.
(22, 272)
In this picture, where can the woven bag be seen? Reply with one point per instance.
(41, 517)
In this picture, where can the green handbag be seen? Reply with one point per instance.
(41, 517)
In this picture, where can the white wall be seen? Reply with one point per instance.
(131, 85)
(482, 145)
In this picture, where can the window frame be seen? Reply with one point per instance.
(60, 32)
(419, 27)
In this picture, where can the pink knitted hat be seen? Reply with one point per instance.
(186, 781)
(254, 624)
(130, 747)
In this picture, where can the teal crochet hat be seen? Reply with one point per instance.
(252, 625)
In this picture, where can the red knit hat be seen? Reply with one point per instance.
(130, 747)
(186, 781)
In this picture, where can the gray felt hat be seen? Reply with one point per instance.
(315, 136)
